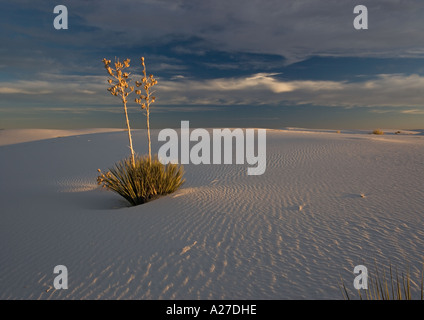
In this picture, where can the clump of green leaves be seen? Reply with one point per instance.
(144, 181)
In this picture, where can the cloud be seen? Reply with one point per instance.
(260, 80)
(26, 87)
(384, 90)
(413, 111)
(395, 90)
(12, 90)
(295, 29)
(56, 89)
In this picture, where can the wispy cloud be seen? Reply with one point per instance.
(413, 111)
(16, 90)
(57, 88)
(384, 90)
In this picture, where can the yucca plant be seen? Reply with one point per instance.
(144, 181)
(393, 288)
(138, 179)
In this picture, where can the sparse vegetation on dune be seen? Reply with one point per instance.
(392, 287)
(378, 132)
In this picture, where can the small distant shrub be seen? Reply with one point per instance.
(398, 132)
(144, 181)
(378, 131)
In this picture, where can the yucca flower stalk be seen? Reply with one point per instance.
(146, 99)
(120, 88)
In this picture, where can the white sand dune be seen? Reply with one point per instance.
(13, 136)
(290, 233)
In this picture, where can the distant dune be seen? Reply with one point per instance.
(13, 136)
(328, 201)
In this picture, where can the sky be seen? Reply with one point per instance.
(232, 63)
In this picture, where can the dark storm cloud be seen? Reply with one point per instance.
(294, 29)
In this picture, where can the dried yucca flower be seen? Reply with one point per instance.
(120, 87)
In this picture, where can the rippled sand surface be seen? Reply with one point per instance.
(327, 202)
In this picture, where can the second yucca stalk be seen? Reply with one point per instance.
(146, 99)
